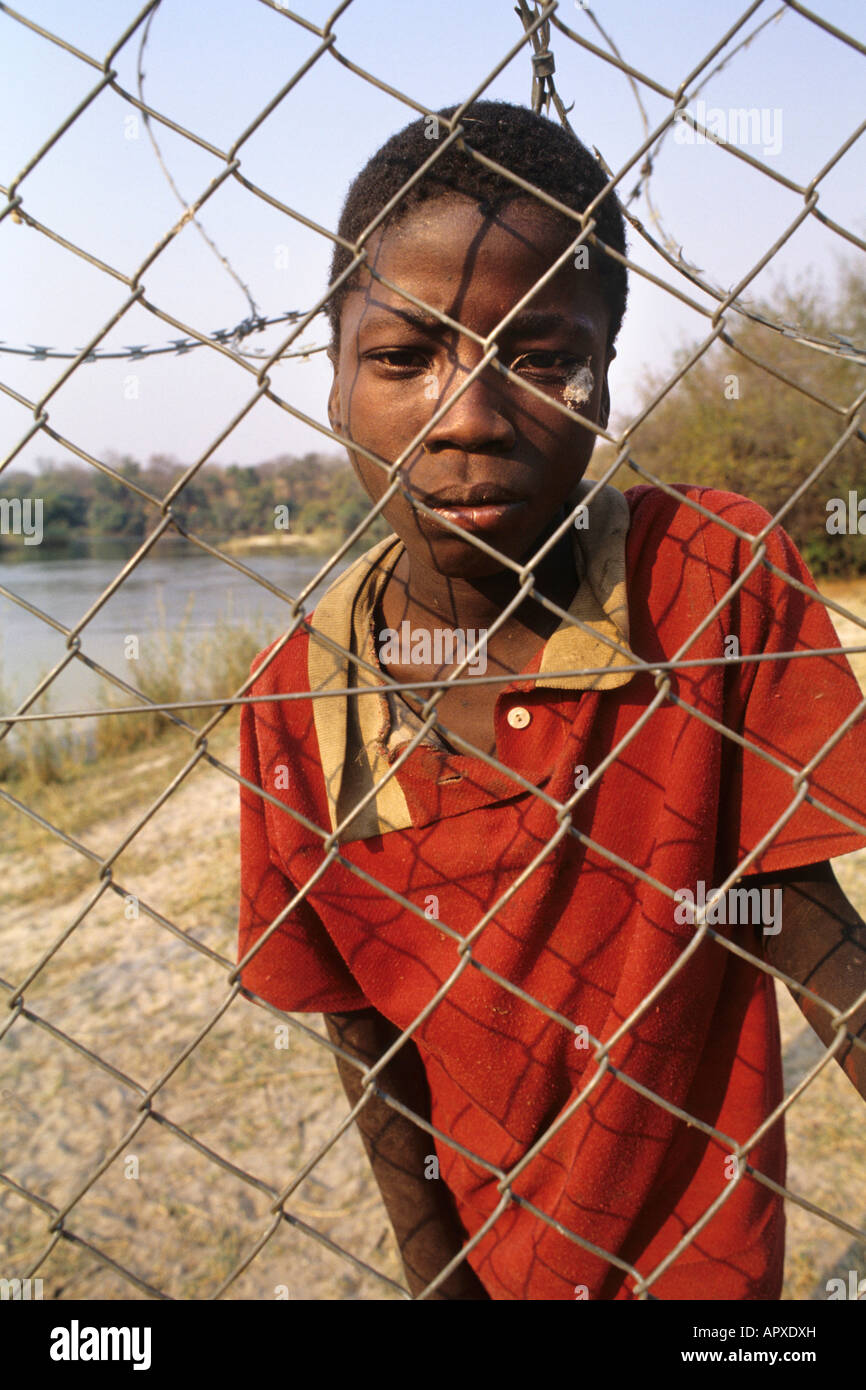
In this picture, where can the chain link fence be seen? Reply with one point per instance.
(75, 1221)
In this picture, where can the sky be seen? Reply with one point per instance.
(213, 67)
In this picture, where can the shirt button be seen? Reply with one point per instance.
(518, 717)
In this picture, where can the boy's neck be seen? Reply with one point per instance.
(429, 599)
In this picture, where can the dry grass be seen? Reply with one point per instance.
(137, 995)
(52, 753)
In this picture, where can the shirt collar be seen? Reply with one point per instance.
(348, 728)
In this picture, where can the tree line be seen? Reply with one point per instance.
(319, 491)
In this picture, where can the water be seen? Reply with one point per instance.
(175, 582)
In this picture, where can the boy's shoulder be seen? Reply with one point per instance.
(287, 659)
(685, 526)
(693, 504)
(287, 669)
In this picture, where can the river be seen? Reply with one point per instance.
(174, 582)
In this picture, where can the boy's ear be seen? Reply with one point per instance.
(604, 411)
(335, 411)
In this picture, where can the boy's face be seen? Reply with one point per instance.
(497, 443)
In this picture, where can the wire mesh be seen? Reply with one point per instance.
(676, 276)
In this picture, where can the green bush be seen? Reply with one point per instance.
(729, 423)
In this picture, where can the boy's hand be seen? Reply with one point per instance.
(421, 1210)
(822, 944)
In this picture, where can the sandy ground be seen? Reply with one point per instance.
(138, 996)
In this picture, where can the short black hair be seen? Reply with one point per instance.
(536, 149)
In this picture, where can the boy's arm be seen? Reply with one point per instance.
(821, 944)
(421, 1210)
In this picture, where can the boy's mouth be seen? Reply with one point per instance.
(482, 507)
(483, 517)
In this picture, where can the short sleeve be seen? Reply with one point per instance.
(298, 968)
(790, 708)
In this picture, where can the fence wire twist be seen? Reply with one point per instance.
(678, 278)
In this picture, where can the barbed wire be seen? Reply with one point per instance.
(669, 246)
(255, 313)
(178, 346)
(150, 1110)
(543, 92)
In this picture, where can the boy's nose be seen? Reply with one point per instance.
(476, 420)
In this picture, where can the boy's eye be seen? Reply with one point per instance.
(400, 359)
(544, 362)
(548, 364)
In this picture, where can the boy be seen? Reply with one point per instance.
(579, 943)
